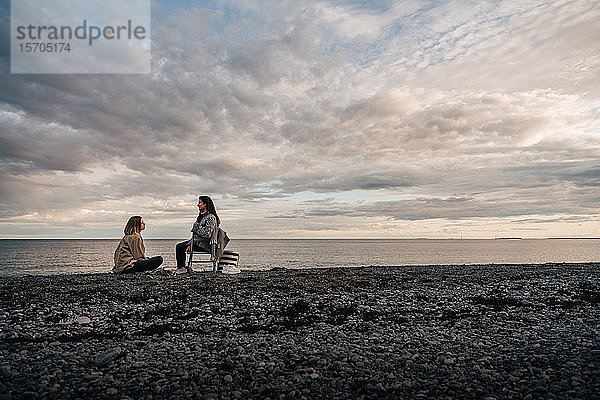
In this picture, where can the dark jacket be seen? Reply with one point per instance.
(208, 235)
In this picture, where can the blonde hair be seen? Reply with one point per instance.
(134, 225)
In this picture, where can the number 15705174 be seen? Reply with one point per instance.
(42, 47)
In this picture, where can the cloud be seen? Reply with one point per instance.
(486, 111)
(519, 48)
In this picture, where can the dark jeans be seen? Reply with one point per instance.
(180, 253)
(144, 265)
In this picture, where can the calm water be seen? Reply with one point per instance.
(44, 257)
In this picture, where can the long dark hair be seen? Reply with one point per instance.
(210, 207)
(133, 225)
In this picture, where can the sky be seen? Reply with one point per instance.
(318, 119)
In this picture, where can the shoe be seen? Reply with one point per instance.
(180, 271)
(230, 270)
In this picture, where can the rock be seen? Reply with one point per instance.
(508, 348)
(108, 356)
(82, 320)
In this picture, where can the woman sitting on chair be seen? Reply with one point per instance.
(204, 229)
(130, 253)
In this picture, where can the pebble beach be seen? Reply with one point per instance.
(442, 332)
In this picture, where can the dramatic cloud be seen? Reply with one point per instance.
(319, 119)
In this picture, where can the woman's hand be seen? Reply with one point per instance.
(188, 249)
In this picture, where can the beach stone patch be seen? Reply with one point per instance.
(479, 331)
(107, 356)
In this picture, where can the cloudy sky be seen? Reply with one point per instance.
(319, 119)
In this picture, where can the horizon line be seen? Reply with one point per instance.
(328, 238)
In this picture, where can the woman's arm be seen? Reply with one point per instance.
(206, 227)
(138, 251)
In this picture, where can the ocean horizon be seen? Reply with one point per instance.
(73, 256)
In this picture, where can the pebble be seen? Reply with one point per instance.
(83, 320)
(107, 356)
(373, 333)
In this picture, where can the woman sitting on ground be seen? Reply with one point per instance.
(130, 253)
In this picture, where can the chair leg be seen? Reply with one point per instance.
(189, 263)
(190, 260)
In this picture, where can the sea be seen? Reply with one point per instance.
(84, 256)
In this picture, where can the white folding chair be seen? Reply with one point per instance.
(229, 258)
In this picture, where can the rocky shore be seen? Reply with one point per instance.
(479, 331)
